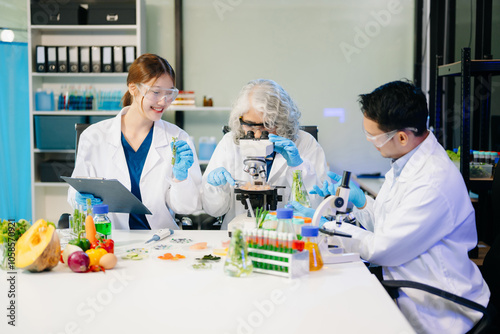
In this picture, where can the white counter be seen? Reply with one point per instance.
(155, 295)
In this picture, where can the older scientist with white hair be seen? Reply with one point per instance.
(262, 105)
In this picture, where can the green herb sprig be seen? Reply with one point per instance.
(174, 150)
(260, 216)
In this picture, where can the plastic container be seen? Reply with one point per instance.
(310, 234)
(44, 100)
(102, 221)
(206, 147)
(285, 222)
(480, 170)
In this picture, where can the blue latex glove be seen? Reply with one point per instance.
(305, 212)
(356, 195)
(219, 177)
(183, 159)
(287, 149)
(81, 199)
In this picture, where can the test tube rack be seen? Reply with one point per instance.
(278, 263)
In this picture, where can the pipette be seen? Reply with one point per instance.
(160, 234)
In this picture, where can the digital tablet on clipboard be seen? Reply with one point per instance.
(111, 191)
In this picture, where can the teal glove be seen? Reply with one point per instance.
(287, 149)
(356, 195)
(305, 212)
(219, 177)
(81, 199)
(183, 159)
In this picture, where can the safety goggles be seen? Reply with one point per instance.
(252, 126)
(383, 138)
(156, 94)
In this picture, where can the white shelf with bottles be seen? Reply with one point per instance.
(49, 198)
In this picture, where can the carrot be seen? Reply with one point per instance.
(90, 229)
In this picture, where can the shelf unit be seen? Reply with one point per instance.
(465, 69)
(49, 198)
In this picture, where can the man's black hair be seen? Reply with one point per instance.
(395, 106)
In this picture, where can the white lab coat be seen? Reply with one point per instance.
(420, 229)
(222, 200)
(100, 154)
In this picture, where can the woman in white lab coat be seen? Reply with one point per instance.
(136, 148)
(262, 105)
(422, 223)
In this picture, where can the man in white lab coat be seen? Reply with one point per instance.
(422, 223)
(262, 105)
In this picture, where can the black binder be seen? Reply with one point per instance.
(62, 59)
(73, 58)
(41, 64)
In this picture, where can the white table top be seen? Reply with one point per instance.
(169, 296)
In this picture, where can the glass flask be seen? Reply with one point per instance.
(238, 263)
(310, 234)
(299, 193)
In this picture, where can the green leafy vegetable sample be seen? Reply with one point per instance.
(20, 227)
(209, 257)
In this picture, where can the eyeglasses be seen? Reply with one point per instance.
(252, 126)
(156, 94)
(383, 138)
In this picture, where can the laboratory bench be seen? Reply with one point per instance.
(153, 295)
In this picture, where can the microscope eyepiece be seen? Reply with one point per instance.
(264, 135)
(250, 135)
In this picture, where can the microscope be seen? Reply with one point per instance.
(256, 193)
(334, 207)
(255, 151)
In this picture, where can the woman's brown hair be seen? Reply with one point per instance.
(145, 68)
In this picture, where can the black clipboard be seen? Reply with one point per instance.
(111, 191)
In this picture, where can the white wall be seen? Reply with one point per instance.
(296, 43)
(299, 44)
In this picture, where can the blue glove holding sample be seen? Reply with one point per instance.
(356, 195)
(81, 199)
(219, 177)
(183, 159)
(287, 149)
(305, 212)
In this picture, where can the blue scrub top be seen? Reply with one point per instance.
(135, 163)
